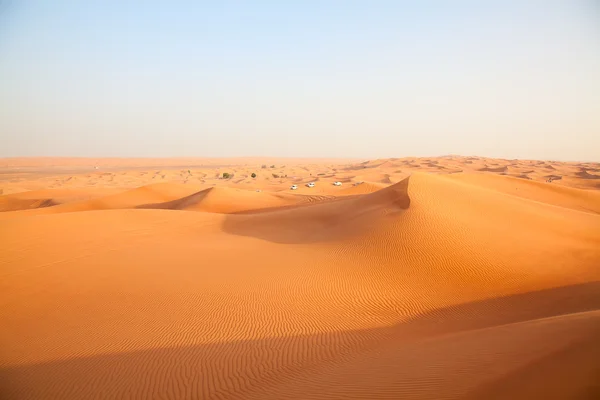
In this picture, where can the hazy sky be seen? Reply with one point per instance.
(322, 78)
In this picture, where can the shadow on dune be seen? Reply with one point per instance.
(223, 370)
(26, 204)
(584, 174)
(580, 359)
(179, 204)
(523, 176)
(323, 221)
(232, 201)
(497, 169)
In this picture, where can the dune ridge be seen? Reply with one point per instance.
(434, 284)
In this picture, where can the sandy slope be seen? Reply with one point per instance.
(434, 285)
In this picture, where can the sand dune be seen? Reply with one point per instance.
(226, 201)
(430, 285)
(46, 198)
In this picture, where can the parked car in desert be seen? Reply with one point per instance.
(293, 187)
(310, 184)
(337, 183)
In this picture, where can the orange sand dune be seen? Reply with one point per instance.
(226, 201)
(46, 198)
(537, 191)
(158, 192)
(361, 188)
(434, 285)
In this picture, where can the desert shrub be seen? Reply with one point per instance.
(275, 176)
(273, 166)
(226, 175)
(253, 175)
(264, 166)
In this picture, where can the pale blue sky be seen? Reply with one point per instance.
(369, 79)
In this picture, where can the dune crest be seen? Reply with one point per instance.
(226, 201)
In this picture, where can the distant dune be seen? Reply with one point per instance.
(437, 278)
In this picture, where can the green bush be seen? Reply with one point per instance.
(226, 175)
(253, 175)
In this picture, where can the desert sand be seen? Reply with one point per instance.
(417, 278)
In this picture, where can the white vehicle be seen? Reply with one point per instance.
(337, 183)
(310, 184)
(294, 187)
